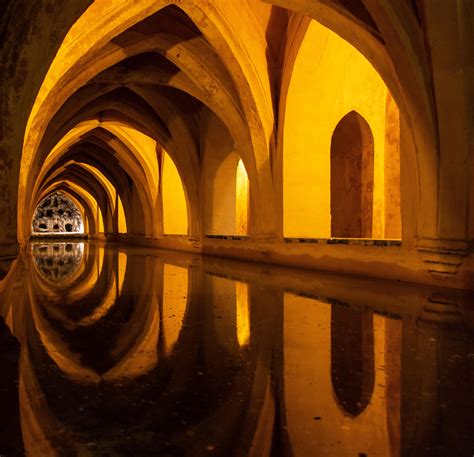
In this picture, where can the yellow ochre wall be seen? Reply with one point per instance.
(175, 216)
(330, 78)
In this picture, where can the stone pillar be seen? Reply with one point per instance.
(451, 53)
(33, 32)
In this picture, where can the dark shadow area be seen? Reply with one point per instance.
(352, 358)
(11, 443)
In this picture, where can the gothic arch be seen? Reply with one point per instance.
(352, 178)
(395, 48)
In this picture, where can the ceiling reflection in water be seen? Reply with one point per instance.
(127, 353)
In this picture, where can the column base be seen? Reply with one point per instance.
(443, 257)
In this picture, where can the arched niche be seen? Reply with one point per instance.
(352, 178)
(57, 214)
(352, 358)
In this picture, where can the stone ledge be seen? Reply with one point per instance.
(351, 241)
(228, 237)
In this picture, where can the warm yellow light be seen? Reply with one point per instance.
(122, 221)
(175, 300)
(307, 368)
(241, 199)
(114, 291)
(175, 214)
(243, 313)
(87, 197)
(329, 79)
(115, 200)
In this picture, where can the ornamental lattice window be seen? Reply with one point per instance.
(57, 214)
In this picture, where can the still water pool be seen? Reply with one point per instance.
(113, 351)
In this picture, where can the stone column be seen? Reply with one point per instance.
(449, 31)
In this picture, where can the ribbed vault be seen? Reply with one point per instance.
(140, 109)
(116, 112)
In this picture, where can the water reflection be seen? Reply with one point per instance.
(57, 261)
(127, 353)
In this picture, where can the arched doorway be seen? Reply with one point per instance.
(352, 178)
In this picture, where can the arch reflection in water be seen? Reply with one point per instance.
(57, 261)
(154, 347)
(170, 354)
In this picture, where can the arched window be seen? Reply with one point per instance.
(352, 178)
(57, 214)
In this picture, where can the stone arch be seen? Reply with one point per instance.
(317, 93)
(82, 201)
(91, 193)
(64, 68)
(134, 164)
(403, 65)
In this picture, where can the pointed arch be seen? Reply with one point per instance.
(352, 178)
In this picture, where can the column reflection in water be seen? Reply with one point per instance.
(126, 353)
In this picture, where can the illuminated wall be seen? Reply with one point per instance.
(330, 79)
(241, 200)
(229, 209)
(175, 216)
(223, 197)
